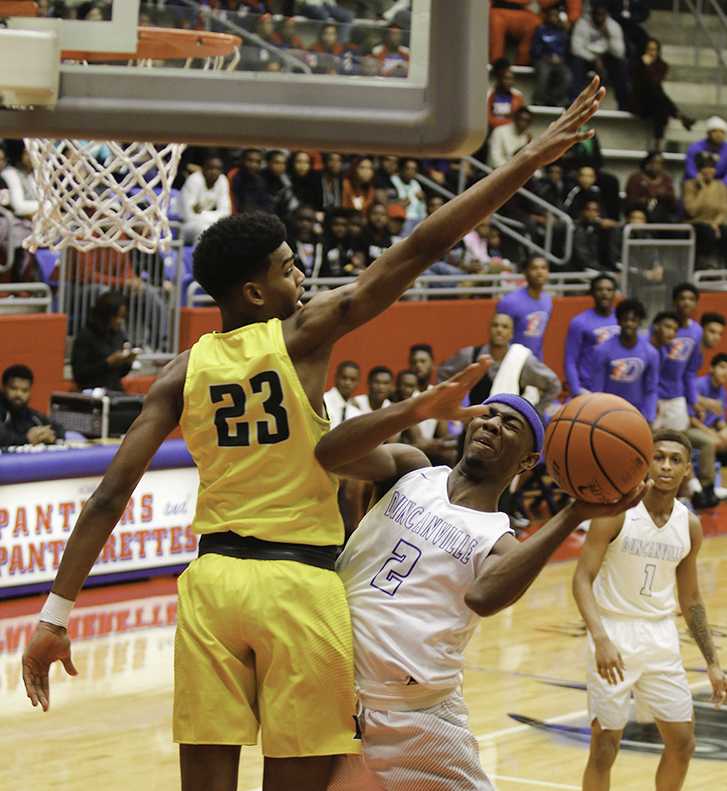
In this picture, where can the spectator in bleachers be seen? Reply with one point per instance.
(506, 140)
(502, 98)
(627, 365)
(592, 240)
(549, 54)
(305, 184)
(518, 20)
(631, 15)
(386, 191)
(397, 222)
(330, 53)
(337, 251)
(551, 187)
(405, 385)
(286, 37)
(584, 191)
(421, 361)
(380, 382)
(650, 100)
(339, 399)
(101, 354)
(685, 298)
(331, 181)
(530, 307)
(713, 325)
(305, 240)
(376, 237)
(588, 330)
(410, 193)
(587, 153)
(20, 182)
(392, 54)
(715, 143)
(248, 186)
(705, 203)
(481, 250)
(15, 229)
(597, 45)
(358, 186)
(322, 11)
(515, 369)
(19, 423)
(651, 189)
(277, 184)
(205, 199)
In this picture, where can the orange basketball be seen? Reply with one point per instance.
(598, 447)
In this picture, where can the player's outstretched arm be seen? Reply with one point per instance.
(355, 450)
(161, 413)
(695, 614)
(609, 662)
(512, 566)
(332, 314)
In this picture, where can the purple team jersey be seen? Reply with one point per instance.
(530, 318)
(631, 373)
(706, 388)
(586, 331)
(680, 361)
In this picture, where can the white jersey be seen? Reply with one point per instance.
(406, 569)
(362, 403)
(638, 576)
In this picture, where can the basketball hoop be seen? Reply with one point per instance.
(111, 194)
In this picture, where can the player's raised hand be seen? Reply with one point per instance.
(719, 684)
(444, 402)
(567, 129)
(600, 510)
(48, 644)
(609, 662)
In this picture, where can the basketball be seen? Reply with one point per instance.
(598, 447)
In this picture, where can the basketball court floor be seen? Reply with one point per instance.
(110, 728)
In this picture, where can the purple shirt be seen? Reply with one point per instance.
(586, 331)
(632, 373)
(706, 388)
(680, 361)
(530, 317)
(690, 166)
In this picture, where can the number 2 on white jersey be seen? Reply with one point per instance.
(397, 567)
(649, 574)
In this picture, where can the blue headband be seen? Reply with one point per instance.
(527, 410)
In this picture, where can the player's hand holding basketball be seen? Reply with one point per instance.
(567, 130)
(609, 663)
(48, 644)
(719, 684)
(444, 402)
(586, 510)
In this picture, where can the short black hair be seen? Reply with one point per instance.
(347, 364)
(274, 152)
(379, 369)
(712, 318)
(404, 372)
(17, 371)
(421, 347)
(105, 308)
(669, 435)
(666, 314)
(630, 306)
(680, 288)
(499, 66)
(534, 257)
(602, 276)
(718, 358)
(235, 249)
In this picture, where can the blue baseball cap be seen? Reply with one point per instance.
(523, 407)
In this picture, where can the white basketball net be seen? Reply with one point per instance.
(107, 194)
(102, 195)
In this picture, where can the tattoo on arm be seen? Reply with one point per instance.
(696, 618)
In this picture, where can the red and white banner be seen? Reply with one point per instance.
(155, 530)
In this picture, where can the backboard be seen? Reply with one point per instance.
(432, 106)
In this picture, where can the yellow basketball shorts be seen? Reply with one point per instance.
(264, 645)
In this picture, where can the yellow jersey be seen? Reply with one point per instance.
(252, 432)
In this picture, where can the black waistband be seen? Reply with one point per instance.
(249, 548)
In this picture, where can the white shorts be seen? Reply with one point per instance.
(672, 413)
(653, 672)
(424, 750)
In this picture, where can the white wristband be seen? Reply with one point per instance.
(56, 610)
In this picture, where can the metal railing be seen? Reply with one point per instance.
(711, 279)
(25, 298)
(436, 286)
(717, 39)
(512, 228)
(151, 283)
